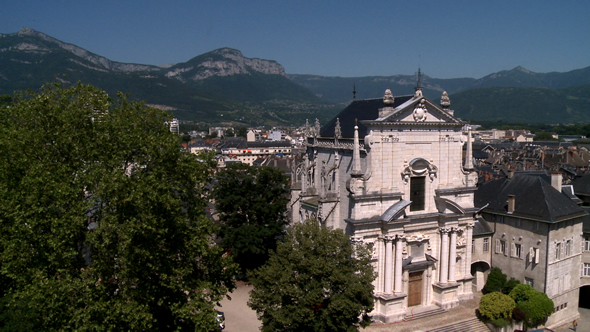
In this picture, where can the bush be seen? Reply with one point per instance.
(496, 281)
(496, 305)
(536, 305)
(510, 285)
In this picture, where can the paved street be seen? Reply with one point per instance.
(583, 322)
(238, 316)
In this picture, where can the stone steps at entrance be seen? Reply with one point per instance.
(471, 325)
(424, 314)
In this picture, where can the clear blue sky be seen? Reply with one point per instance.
(448, 39)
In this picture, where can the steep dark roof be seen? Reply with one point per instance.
(367, 109)
(582, 185)
(534, 198)
(481, 228)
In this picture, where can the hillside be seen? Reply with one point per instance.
(219, 87)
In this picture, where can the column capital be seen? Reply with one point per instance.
(469, 226)
(444, 230)
(388, 238)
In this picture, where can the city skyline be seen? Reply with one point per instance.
(449, 39)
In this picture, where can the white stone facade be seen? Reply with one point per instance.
(404, 188)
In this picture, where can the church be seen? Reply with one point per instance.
(393, 174)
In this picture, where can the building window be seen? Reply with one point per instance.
(486, 244)
(587, 244)
(557, 250)
(518, 222)
(500, 247)
(529, 281)
(472, 246)
(537, 225)
(518, 250)
(501, 219)
(586, 271)
(568, 248)
(417, 187)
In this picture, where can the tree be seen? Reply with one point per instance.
(242, 132)
(536, 305)
(496, 305)
(496, 281)
(543, 136)
(315, 281)
(252, 203)
(102, 222)
(229, 133)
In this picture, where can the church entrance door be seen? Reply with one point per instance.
(415, 289)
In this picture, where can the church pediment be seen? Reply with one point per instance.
(418, 110)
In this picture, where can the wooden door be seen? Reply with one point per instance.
(415, 289)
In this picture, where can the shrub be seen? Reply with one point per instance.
(496, 281)
(510, 285)
(496, 305)
(536, 305)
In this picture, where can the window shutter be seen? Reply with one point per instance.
(512, 249)
(536, 255)
(531, 254)
(497, 246)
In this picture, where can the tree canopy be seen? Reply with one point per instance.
(252, 204)
(536, 305)
(102, 222)
(315, 281)
(496, 305)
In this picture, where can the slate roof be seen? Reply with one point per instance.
(535, 198)
(367, 109)
(582, 185)
(481, 227)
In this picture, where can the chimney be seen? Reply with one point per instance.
(556, 180)
(510, 173)
(511, 202)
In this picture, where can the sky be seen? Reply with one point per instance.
(446, 39)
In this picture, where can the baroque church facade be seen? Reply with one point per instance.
(392, 173)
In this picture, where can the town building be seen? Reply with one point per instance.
(391, 173)
(537, 236)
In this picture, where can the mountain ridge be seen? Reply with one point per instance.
(224, 86)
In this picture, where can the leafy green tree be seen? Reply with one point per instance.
(102, 221)
(496, 305)
(252, 203)
(229, 133)
(509, 285)
(496, 281)
(315, 281)
(543, 136)
(242, 132)
(536, 305)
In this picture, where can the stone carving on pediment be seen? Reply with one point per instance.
(419, 238)
(420, 112)
(419, 167)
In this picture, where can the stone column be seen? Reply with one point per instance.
(388, 263)
(444, 255)
(398, 264)
(469, 239)
(453, 256)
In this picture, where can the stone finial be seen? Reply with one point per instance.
(337, 129)
(388, 98)
(445, 102)
(316, 128)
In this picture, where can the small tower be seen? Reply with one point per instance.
(418, 87)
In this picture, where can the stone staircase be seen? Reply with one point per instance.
(424, 314)
(468, 325)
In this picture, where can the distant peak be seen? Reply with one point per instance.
(522, 69)
(227, 50)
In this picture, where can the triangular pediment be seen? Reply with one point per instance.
(416, 111)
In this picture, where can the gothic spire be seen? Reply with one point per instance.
(356, 153)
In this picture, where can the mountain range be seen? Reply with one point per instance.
(223, 87)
